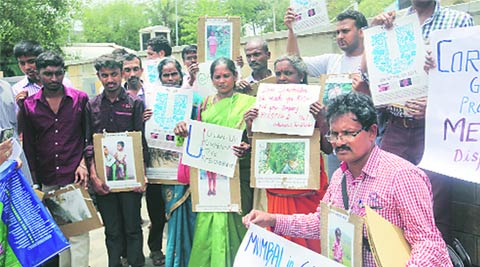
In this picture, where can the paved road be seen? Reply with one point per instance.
(98, 250)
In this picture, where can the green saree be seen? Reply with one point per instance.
(218, 235)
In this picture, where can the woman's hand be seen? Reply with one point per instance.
(259, 218)
(181, 129)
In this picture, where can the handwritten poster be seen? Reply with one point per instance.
(310, 14)
(170, 106)
(452, 130)
(284, 109)
(395, 60)
(263, 248)
(209, 147)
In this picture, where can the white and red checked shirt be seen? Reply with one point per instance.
(399, 191)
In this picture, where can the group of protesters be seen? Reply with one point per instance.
(368, 151)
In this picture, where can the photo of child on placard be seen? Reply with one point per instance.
(340, 239)
(118, 158)
(213, 188)
(218, 40)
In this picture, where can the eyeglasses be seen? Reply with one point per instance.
(344, 136)
(167, 75)
(51, 73)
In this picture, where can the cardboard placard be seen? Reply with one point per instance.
(227, 197)
(217, 37)
(121, 170)
(389, 246)
(73, 210)
(300, 172)
(163, 166)
(350, 227)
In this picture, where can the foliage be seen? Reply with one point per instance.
(162, 12)
(114, 22)
(278, 156)
(46, 21)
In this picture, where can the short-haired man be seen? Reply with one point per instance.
(26, 52)
(158, 48)
(132, 74)
(116, 111)
(257, 54)
(405, 128)
(54, 140)
(189, 57)
(401, 191)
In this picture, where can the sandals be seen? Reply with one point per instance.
(158, 258)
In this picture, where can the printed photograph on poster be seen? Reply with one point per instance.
(169, 106)
(340, 239)
(69, 207)
(213, 188)
(218, 39)
(163, 166)
(336, 85)
(72, 209)
(310, 14)
(282, 158)
(395, 59)
(213, 192)
(341, 235)
(119, 162)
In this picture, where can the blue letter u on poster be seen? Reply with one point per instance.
(188, 144)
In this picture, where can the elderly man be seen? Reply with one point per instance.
(402, 191)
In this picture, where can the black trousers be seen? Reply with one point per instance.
(156, 212)
(121, 217)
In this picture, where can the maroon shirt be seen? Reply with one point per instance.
(124, 114)
(53, 143)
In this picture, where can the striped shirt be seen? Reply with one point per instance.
(444, 18)
(398, 190)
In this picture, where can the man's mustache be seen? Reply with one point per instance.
(342, 147)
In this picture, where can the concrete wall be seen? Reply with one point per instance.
(465, 206)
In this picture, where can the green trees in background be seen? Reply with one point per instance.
(46, 21)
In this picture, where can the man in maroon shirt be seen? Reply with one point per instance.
(116, 111)
(54, 141)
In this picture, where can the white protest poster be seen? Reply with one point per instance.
(260, 247)
(170, 106)
(209, 147)
(284, 108)
(452, 130)
(151, 71)
(204, 82)
(395, 59)
(310, 14)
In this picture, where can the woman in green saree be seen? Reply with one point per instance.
(218, 235)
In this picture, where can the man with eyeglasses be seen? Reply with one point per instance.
(54, 120)
(398, 190)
